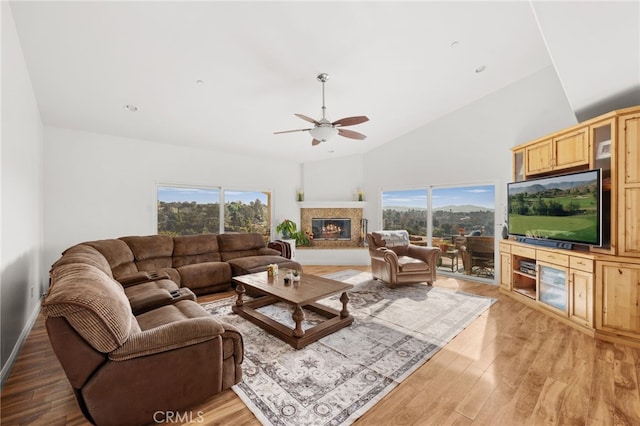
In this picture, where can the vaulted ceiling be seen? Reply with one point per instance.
(226, 75)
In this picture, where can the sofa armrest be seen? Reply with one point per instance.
(142, 277)
(233, 337)
(266, 251)
(429, 255)
(168, 337)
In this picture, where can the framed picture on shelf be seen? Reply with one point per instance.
(604, 150)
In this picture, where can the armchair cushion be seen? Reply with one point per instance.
(406, 264)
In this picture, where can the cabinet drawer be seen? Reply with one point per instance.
(555, 258)
(504, 247)
(524, 251)
(581, 264)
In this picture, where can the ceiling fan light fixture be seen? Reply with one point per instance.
(322, 133)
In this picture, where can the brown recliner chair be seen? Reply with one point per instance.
(132, 370)
(395, 261)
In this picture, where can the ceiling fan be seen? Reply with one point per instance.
(324, 129)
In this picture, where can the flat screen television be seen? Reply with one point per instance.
(565, 208)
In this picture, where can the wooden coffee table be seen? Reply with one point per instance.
(300, 294)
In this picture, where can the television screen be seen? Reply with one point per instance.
(561, 208)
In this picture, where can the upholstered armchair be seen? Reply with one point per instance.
(395, 261)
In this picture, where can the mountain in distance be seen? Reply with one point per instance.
(534, 188)
(467, 208)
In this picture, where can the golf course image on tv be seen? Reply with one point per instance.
(562, 208)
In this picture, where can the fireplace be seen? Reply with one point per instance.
(342, 226)
(331, 229)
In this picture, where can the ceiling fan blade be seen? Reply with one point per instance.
(291, 131)
(315, 142)
(351, 134)
(351, 121)
(309, 119)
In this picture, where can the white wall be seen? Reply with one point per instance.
(99, 186)
(22, 277)
(335, 179)
(470, 145)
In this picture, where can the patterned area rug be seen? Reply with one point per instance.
(338, 378)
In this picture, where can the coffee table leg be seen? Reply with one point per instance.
(240, 291)
(344, 299)
(298, 317)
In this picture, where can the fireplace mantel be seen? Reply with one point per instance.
(331, 204)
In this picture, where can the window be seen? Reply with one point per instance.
(405, 210)
(247, 211)
(184, 210)
(188, 210)
(455, 215)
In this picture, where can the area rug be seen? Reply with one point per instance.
(338, 378)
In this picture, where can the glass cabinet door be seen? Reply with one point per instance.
(552, 286)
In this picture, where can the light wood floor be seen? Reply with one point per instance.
(511, 366)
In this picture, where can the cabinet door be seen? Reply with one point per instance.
(518, 165)
(581, 297)
(505, 271)
(629, 185)
(571, 150)
(538, 157)
(552, 287)
(617, 297)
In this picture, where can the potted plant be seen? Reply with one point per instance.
(287, 228)
(302, 238)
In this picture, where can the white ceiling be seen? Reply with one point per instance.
(392, 61)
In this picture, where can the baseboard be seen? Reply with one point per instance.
(8, 366)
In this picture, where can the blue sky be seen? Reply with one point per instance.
(206, 195)
(482, 196)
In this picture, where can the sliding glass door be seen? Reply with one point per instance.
(458, 219)
(462, 225)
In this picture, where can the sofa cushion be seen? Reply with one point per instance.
(190, 249)
(159, 328)
(251, 264)
(151, 252)
(118, 254)
(93, 303)
(234, 245)
(204, 274)
(82, 253)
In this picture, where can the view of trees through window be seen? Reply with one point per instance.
(191, 210)
(454, 210)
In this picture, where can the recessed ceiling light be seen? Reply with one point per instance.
(131, 108)
(480, 69)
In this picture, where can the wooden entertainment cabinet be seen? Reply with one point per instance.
(593, 289)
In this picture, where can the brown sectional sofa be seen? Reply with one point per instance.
(122, 319)
(203, 263)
